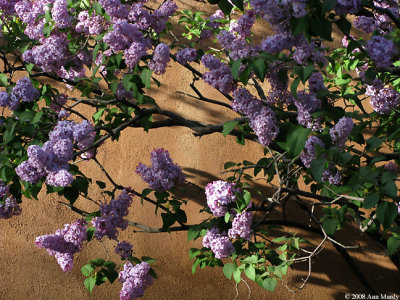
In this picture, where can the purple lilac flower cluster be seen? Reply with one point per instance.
(308, 154)
(124, 249)
(242, 26)
(220, 74)
(64, 243)
(4, 189)
(112, 216)
(380, 21)
(332, 177)
(163, 173)
(51, 55)
(58, 102)
(90, 24)
(23, 91)
(341, 131)
(391, 166)
(135, 279)
(383, 100)
(219, 195)
(60, 14)
(344, 7)
(241, 226)
(160, 59)
(381, 50)
(9, 207)
(306, 104)
(218, 242)
(262, 118)
(213, 23)
(186, 55)
(51, 160)
(7, 7)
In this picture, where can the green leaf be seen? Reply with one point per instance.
(97, 8)
(328, 5)
(225, 6)
(393, 245)
(149, 260)
(373, 143)
(145, 76)
(237, 275)
(87, 270)
(259, 68)
(227, 217)
(246, 197)
(330, 225)
(371, 200)
(193, 232)
(229, 126)
(250, 272)
(90, 283)
(90, 233)
(296, 139)
(317, 168)
(344, 26)
(235, 68)
(3, 79)
(389, 189)
(386, 213)
(228, 270)
(110, 265)
(229, 164)
(294, 85)
(239, 4)
(98, 262)
(269, 284)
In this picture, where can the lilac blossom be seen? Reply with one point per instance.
(50, 56)
(163, 174)
(114, 8)
(60, 14)
(4, 189)
(383, 100)
(51, 160)
(24, 91)
(278, 42)
(160, 59)
(220, 75)
(135, 280)
(58, 102)
(140, 16)
(64, 243)
(4, 99)
(381, 50)
(219, 243)
(241, 226)
(112, 216)
(161, 15)
(332, 178)
(186, 55)
(220, 194)
(341, 131)
(307, 104)
(391, 166)
(344, 7)
(124, 249)
(92, 25)
(308, 154)
(9, 207)
(366, 24)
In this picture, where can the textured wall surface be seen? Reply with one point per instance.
(27, 272)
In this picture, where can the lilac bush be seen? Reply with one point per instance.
(326, 117)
